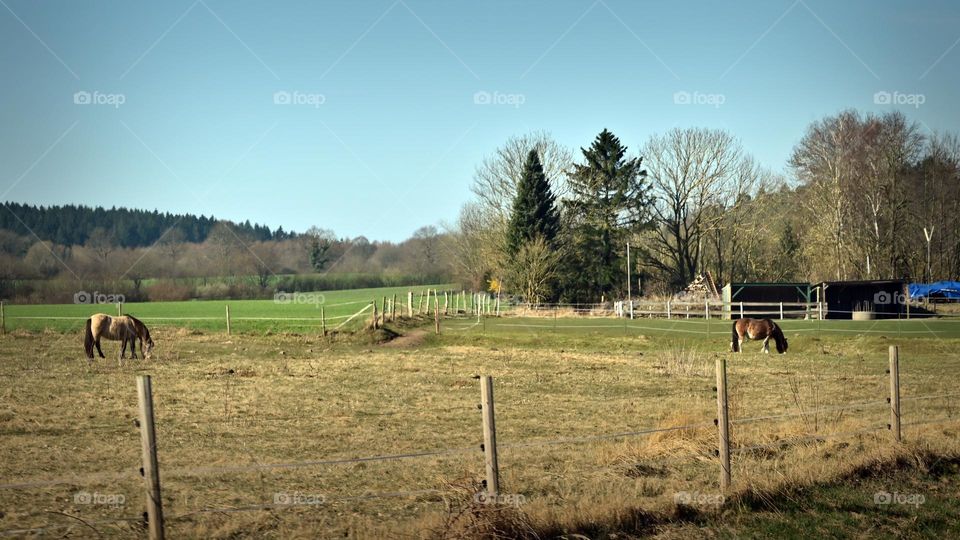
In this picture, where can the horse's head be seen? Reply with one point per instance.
(781, 341)
(148, 347)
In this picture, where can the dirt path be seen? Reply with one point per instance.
(413, 339)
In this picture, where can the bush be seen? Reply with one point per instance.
(168, 291)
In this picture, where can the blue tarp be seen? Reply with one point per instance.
(940, 289)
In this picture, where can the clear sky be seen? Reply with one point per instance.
(378, 124)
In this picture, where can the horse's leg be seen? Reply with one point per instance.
(766, 345)
(99, 350)
(133, 347)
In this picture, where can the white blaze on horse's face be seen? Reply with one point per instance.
(148, 352)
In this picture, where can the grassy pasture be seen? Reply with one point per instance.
(210, 314)
(226, 405)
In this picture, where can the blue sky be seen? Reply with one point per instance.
(385, 131)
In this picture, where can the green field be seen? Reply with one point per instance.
(294, 312)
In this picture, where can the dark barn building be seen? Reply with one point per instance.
(770, 295)
(885, 298)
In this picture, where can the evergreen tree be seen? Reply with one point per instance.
(610, 200)
(534, 208)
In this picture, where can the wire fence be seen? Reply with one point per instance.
(726, 444)
(463, 312)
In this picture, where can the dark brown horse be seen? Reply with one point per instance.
(758, 329)
(126, 329)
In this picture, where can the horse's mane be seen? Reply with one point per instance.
(140, 327)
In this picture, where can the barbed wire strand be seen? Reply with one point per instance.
(942, 420)
(82, 479)
(788, 442)
(593, 438)
(80, 523)
(326, 500)
(202, 471)
(917, 398)
(807, 413)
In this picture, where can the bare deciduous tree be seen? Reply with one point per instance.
(701, 178)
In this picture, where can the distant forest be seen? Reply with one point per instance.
(72, 225)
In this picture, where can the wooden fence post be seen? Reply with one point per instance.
(409, 304)
(228, 319)
(895, 392)
(706, 309)
(741, 310)
(436, 314)
(151, 471)
(781, 311)
(668, 309)
(119, 309)
(723, 423)
(446, 305)
(489, 436)
(393, 316)
(375, 316)
(323, 321)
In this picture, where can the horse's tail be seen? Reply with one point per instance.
(736, 338)
(88, 339)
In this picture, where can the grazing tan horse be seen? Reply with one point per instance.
(764, 329)
(126, 329)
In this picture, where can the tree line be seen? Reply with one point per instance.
(864, 196)
(75, 225)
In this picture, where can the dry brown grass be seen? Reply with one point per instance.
(238, 401)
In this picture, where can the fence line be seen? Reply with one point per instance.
(489, 450)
